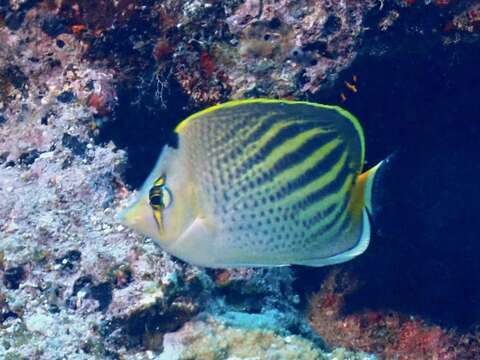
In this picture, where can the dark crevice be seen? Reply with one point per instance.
(143, 125)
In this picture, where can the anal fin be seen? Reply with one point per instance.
(347, 255)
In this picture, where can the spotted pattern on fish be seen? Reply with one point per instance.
(277, 178)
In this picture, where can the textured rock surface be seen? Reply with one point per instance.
(293, 47)
(74, 282)
(209, 339)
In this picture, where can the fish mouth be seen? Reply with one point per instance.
(139, 217)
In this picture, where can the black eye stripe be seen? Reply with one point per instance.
(156, 199)
(156, 191)
(159, 195)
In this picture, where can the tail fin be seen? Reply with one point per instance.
(367, 179)
(370, 181)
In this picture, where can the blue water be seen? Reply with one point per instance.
(421, 103)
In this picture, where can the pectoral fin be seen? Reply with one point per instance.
(197, 244)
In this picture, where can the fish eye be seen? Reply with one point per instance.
(159, 195)
(156, 200)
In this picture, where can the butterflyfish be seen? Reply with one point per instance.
(259, 182)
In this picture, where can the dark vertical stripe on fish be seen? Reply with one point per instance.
(266, 125)
(322, 166)
(286, 133)
(332, 187)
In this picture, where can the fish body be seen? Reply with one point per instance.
(259, 182)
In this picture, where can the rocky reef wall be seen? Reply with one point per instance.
(88, 94)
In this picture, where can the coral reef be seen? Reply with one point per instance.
(210, 339)
(389, 334)
(220, 50)
(74, 282)
(291, 47)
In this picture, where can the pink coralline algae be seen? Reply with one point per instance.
(389, 334)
